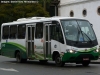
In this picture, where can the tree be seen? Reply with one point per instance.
(45, 3)
(49, 5)
(11, 12)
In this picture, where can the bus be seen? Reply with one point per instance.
(59, 39)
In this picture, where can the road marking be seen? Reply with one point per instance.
(10, 69)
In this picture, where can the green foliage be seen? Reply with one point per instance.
(10, 12)
(45, 3)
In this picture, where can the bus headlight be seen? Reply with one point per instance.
(71, 51)
(97, 50)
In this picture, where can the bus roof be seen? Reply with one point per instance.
(38, 19)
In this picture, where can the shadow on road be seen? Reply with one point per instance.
(50, 64)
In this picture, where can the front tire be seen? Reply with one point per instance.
(58, 61)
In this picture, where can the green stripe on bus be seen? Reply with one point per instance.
(88, 50)
(16, 45)
(38, 56)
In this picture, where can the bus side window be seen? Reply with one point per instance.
(5, 32)
(13, 32)
(21, 31)
(56, 32)
(39, 30)
(60, 36)
(52, 32)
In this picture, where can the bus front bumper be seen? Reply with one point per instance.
(79, 57)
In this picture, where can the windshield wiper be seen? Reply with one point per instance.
(79, 30)
(87, 36)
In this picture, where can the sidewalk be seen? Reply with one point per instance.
(95, 61)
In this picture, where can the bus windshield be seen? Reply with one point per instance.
(78, 30)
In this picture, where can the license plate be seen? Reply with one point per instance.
(85, 58)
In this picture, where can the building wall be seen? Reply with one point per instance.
(91, 7)
(66, 1)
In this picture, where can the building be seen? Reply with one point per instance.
(88, 9)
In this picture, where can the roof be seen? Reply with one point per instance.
(37, 19)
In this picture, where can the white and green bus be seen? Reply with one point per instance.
(60, 39)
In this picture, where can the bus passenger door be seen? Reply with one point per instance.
(30, 40)
(39, 41)
(47, 43)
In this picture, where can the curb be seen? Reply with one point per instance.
(95, 62)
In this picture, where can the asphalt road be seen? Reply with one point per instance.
(8, 66)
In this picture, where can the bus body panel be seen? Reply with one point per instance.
(55, 46)
(42, 49)
(9, 47)
(39, 52)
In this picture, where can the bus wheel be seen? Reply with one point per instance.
(18, 57)
(58, 61)
(85, 63)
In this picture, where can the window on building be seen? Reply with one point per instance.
(13, 32)
(39, 30)
(71, 13)
(98, 10)
(5, 34)
(21, 31)
(84, 12)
